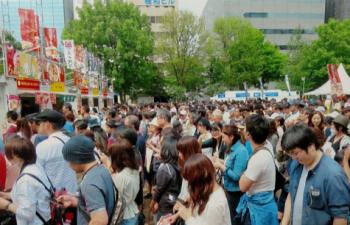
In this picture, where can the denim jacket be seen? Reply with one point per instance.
(326, 193)
(262, 208)
(236, 163)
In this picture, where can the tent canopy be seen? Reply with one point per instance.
(325, 89)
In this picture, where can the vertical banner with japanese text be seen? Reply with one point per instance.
(50, 38)
(69, 53)
(29, 29)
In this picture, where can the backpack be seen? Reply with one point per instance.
(118, 210)
(56, 209)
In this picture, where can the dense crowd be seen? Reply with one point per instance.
(200, 163)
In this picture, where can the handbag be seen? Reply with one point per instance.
(7, 218)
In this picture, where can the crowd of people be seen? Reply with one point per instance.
(199, 163)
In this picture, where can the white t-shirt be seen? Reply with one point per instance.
(216, 211)
(261, 169)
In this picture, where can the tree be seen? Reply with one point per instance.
(246, 54)
(180, 47)
(311, 59)
(116, 32)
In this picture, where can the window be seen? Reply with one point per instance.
(255, 15)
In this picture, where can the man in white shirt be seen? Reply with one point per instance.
(49, 152)
(258, 181)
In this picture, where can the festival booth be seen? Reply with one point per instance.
(338, 83)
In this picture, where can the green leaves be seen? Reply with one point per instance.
(122, 37)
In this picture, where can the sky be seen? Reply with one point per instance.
(194, 6)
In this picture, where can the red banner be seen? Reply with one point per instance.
(29, 29)
(84, 91)
(336, 85)
(38, 98)
(50, 38)
(28, 84)
(12, 57)
(53, 72)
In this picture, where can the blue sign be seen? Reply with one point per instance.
(271, 94)
(242, 95)
(160, 2)
(221, 95)
(257, 95)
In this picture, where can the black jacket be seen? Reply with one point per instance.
(212, 143)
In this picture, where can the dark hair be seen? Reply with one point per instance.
(299, 136)
(328, 120)
(89, 134)
(101, 141)
(13, 115)
(68, 106)
(340, 127)
(80, 124)
(168, 151)
(216, 127)
(122, 155)
(86, 109)
(273, 128)
(231, 130)
(204, 123)
(163, 113)
(94, 110)
(321, 126)
(69, 116)
(22, 148)
(112, 113)
(258, 127)
(133, 122)
(280, 120)
(187, 146)
(200, 174)
(24, 127)
(128, 134)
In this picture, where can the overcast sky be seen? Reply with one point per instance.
(195, 6)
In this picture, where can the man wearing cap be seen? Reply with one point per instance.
(34, 124)
(49, 151)
(96, 198)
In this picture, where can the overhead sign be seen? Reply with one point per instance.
(160, 2)
(28, 84)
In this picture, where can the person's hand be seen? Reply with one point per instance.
(154, 206)
(184, 213)
(4, 203)
(68, 201)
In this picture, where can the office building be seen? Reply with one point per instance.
(337, 9)
(54, 14)
(277, 19)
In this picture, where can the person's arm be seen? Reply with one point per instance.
(239, 165)
(162, 178)
(245, 183)
(340, 221)
(287, 211)
(346, 162)
(99, 218)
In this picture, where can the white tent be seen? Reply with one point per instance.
(325, 89)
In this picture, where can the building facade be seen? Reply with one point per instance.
(277, 19)
(53, 14)
(337, 9)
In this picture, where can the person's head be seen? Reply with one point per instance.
(85, 110)
(230, 135)
(23, 127)
(111, 115)
(257, 129)
(111, 125)
(128, 134)
(11, 116)
(50, 121)
(69, 116)
(186, 147)
(153, 127)
(122, 156)
(94, 111)
(101, 141)
(203, 126)
(217, 116)
(132, 122)
(279, 120)
(200, 174)
(80, 126)
(316, 120)
(67, 107)
(79, 152)
(168, 151)
(301, 143)
(33, 123)
(177, 128)
(216, 130)
(163, 118)
(20, 150)
(340, 124)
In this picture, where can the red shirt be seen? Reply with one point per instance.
(2, 172)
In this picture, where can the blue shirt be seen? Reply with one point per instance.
(69, 127)
(326, 192)
(249, 148)
(235, 164)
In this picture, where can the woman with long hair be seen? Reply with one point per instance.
(23, 128)
(316, 123)
(126, 178)
(29, 197)
(208, 204)
(233, 167)
(216, 141)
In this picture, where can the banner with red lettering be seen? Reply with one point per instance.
(50, 38)
(80, 58)
(69, 53)
(336, 85)
(29, 29)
